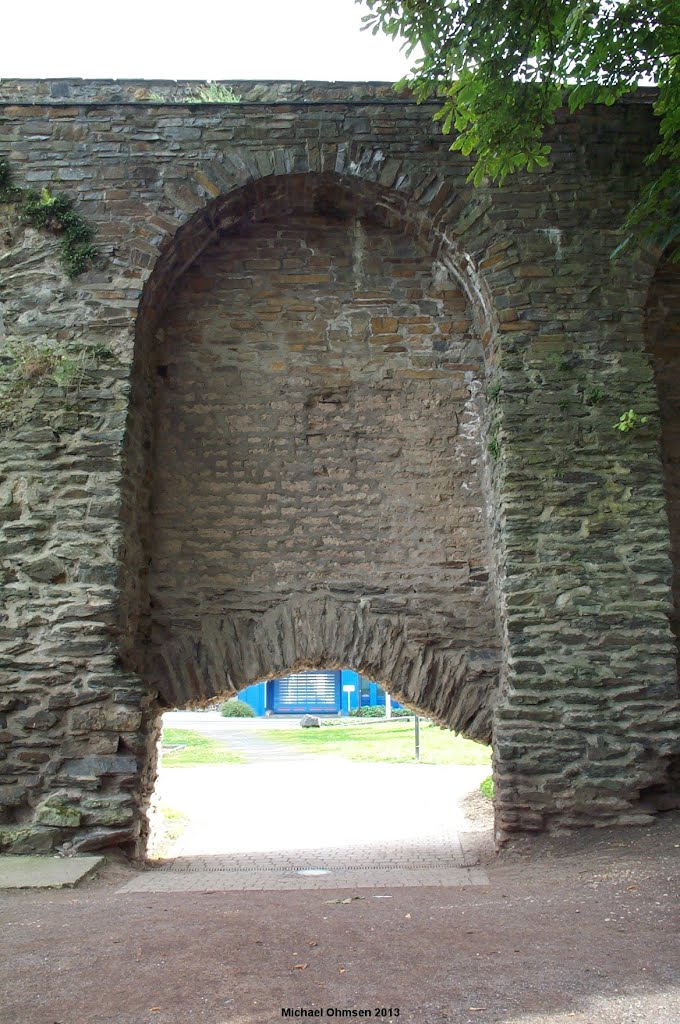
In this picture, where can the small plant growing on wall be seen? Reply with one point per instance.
(211, 92)
(493, 446)
(493, 443)
(53, 213)
(494, 389)
(594, 396)
(630, 420)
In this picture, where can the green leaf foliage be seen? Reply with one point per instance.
(629, 420)
(53, 213)
(503, 67)
(237, 709)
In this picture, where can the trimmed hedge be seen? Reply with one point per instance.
(378, 711)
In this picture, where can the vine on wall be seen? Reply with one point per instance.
(28, 367)
(56, 214)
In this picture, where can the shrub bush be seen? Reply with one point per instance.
(378, 711)
(486, 787)
(237, 709)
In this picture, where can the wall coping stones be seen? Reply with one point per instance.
(273, 92)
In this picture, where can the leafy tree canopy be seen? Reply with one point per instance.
(503, 67)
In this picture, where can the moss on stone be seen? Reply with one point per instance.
(57, 809)
(58, 815)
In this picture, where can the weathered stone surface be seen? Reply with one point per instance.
(31, 839)
(94, 743)
(39, 720)
(99, 839)
(95, 767)
(321, 337)
(11, 796)
(371, 408)
(110, 718)
(110, 810)
(57, 809)
(46, 569)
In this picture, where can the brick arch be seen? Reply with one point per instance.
(318, 631)
(457, 227)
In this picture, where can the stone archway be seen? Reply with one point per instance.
(317, 477)
(586, 721)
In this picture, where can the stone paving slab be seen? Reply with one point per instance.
(40, 872)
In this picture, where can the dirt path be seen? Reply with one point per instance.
(583, 932)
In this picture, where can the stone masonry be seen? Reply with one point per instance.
(332, 406)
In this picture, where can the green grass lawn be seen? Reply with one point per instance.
(383, 741)
(196, 749)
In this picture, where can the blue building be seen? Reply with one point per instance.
(334, 692)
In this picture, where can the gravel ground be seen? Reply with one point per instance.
(572, 930)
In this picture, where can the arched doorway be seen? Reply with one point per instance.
(310, 389)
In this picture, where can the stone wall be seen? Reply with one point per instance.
(663, 343)
(585, 719)
(71, 722)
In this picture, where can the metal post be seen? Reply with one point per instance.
(417, 734)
